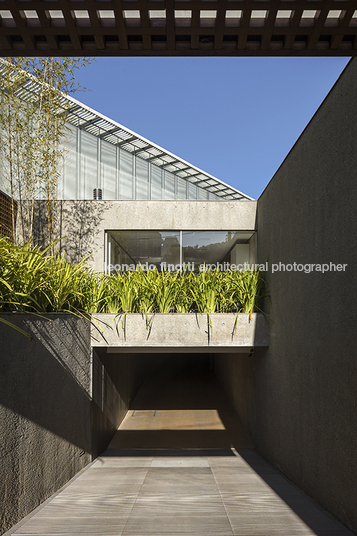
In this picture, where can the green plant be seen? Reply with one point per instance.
(35, 281)
(165, 291)
(248, 291)
(33, 128)
(205, 290)
(184, 300)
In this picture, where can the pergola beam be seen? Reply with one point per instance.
(116, 37)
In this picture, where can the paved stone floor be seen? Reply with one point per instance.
(211, 483)
(180, 492)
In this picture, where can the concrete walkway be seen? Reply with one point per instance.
(188, 492)
(203, 486)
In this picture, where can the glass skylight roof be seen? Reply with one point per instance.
(101, 126)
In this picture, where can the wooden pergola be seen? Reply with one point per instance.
(178, 28)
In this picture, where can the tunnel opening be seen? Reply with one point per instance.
(162, 401)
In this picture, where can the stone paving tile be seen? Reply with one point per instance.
(74, 526)
(187, 480)
(179, 462)
(84, 511)
(111, 462)
(159, 524)
(92, 496)
(233, 469)
(239, 479)
(179, 505)
(96, 497)
(252, 524)
(254, 502)
(173, 494)
(108, 473)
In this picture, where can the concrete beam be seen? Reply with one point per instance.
(187, 332)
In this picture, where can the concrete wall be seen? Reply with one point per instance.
(163, 332)
(59, 407)
(109, 406)
(117, 378)
(128, 371)
(83, 223)
(45, 410)
(298, 398)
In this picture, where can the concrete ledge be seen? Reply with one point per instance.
(180, 332)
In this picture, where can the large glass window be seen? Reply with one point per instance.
(109, 169)
(169, 188)
(128, 248)
(88, 165)
(156, 182)
(142, 179)
(173, 250)
(210, 247)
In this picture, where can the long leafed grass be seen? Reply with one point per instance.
(32, 280)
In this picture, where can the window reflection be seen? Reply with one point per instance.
(212, 247)
(141, 247)
(166, 250)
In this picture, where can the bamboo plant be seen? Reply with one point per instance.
(33, 127)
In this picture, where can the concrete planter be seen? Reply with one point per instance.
(180, 332)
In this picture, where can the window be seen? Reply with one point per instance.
(174, 250)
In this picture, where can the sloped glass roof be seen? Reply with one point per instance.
(107, 129)
(97, 124)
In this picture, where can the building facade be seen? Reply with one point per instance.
(105, 168)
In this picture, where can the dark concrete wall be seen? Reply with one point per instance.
(109, 405)
(128, 371)
(45, 409)
(116, 380)
(234, 371)
(59, 406)
(298, 399)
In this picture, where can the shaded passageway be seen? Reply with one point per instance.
(180, 464)
(181, 405)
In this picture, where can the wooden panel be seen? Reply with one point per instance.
(8, 212)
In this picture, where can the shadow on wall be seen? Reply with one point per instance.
(47, 380)
(110, 403)
(77, 222)
(50, 381)
(45, 409)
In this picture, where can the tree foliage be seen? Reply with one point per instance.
(33, 118)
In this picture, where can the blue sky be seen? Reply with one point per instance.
(236, 118)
